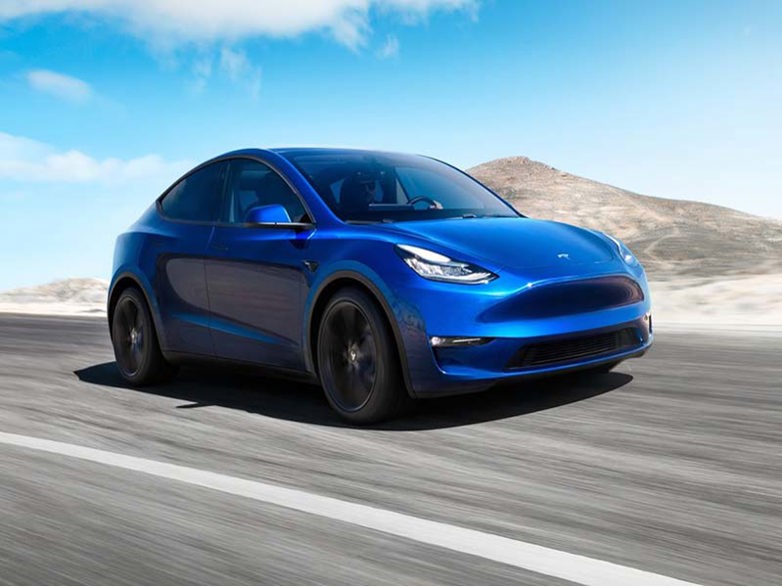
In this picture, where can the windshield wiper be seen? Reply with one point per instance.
(380, 221)
(488, 216)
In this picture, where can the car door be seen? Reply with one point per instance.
(256, 275)
(189, 210)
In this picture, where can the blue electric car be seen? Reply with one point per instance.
(381, 276)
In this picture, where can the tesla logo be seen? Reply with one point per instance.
(564, 256)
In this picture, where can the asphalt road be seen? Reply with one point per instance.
(672, 464)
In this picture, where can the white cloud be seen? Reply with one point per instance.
(172, 22)
(239, 69)
(27, 160)
(202, 70)
(390, 48)
(233, 64)
(60, 85)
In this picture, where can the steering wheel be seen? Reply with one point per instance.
(433, 204)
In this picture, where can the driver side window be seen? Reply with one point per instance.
(252, 184)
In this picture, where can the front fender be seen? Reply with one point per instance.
(404, 319)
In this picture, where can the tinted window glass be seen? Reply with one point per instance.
(253, 184)
(372, 187)
(197, 197)
(420, 181)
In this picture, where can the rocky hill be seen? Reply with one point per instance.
(671, 237)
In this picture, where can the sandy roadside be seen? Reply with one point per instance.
(739, 303)
(753, 302)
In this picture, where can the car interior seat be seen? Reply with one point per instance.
(353, 196)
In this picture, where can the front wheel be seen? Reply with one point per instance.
(357, 360)
(135, 341)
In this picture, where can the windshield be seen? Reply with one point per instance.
(380, 187)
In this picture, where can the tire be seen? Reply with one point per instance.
(135, 342)
(357, 360)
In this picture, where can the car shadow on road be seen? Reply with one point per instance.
(303, 402)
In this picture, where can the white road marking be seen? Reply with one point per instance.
(547, 561)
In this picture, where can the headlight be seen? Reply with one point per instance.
(431, 265)
(624, 252)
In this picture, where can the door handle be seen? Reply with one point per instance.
(218, 247)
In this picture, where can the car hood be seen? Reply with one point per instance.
(511, 243)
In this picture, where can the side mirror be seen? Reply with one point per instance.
(273, 216)
(273, 213)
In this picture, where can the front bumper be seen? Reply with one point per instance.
(469, 369)
(531, 329)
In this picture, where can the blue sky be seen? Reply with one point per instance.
(105, 103)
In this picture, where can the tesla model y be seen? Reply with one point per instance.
(381, 276)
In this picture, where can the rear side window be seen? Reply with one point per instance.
(196, 198)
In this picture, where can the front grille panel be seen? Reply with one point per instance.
(571, 349)
(567, 298)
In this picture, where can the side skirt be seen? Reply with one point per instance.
(184, 359)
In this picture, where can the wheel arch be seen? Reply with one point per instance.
(122, 282)
(326, 291)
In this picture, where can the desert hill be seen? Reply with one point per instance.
(73, 296)
(670, 237)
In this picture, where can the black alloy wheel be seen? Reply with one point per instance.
(357, 359)
(135, 341)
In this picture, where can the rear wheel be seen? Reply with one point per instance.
(357, 360)
(135, 341)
